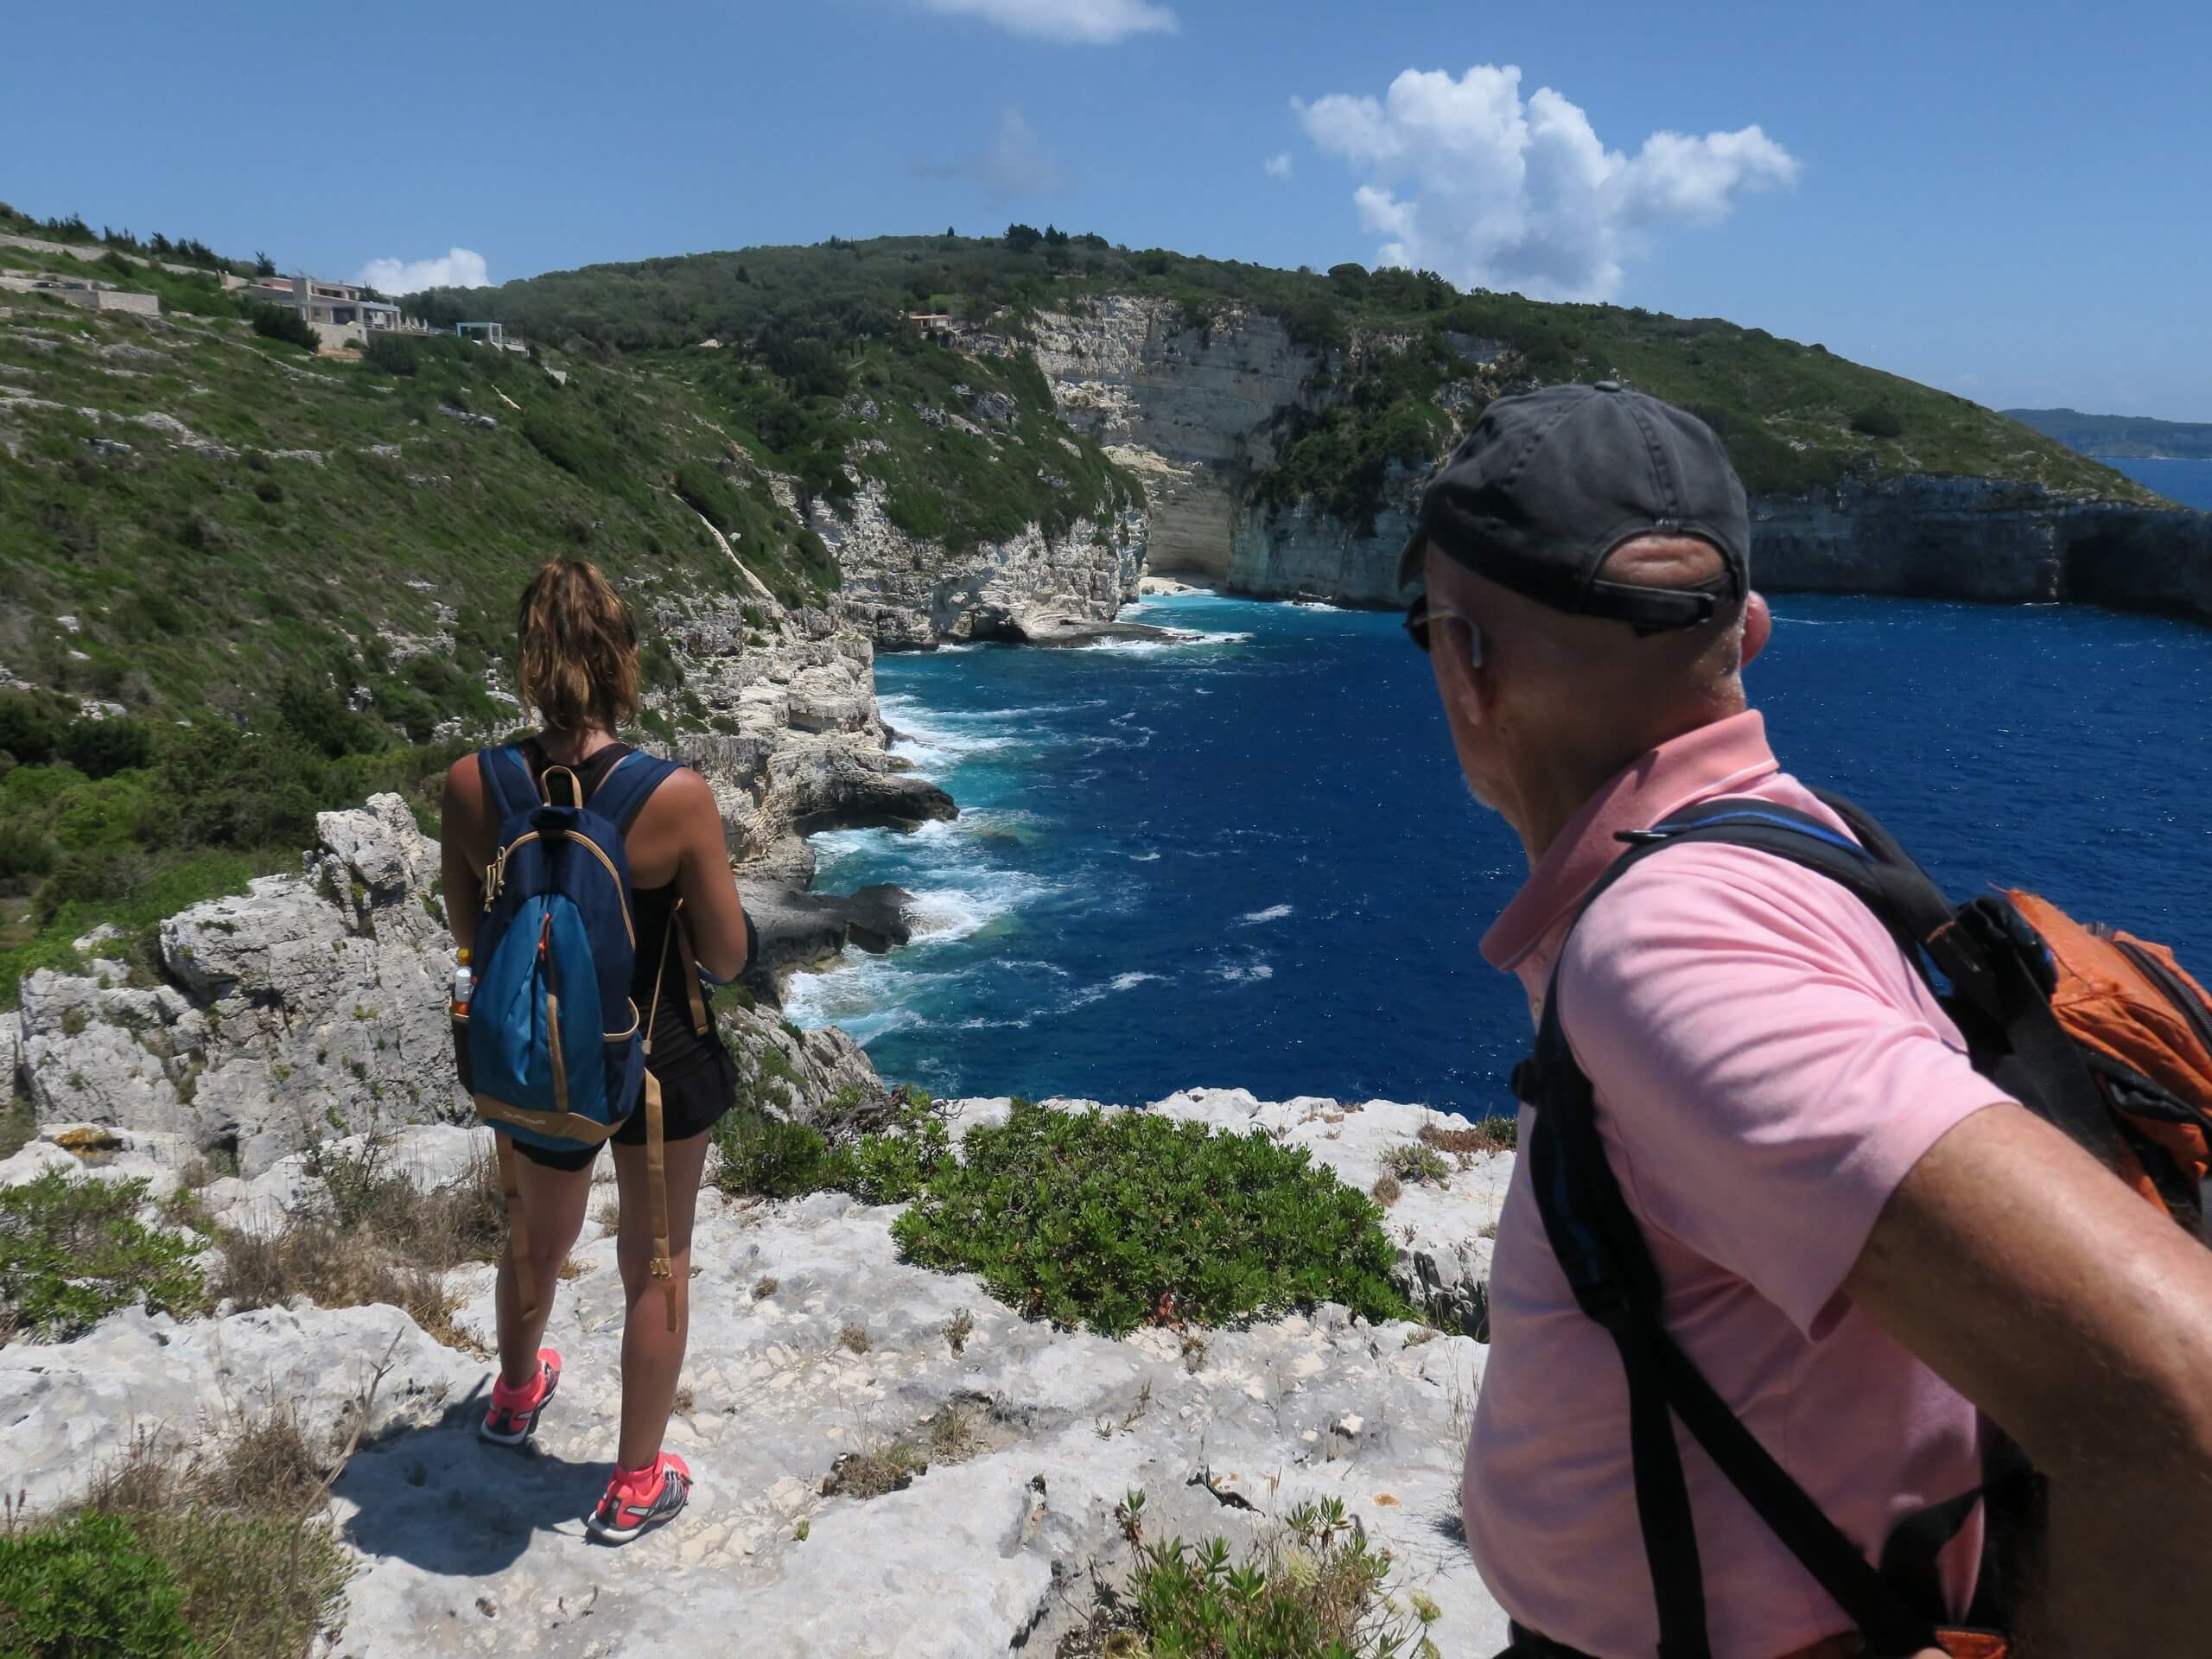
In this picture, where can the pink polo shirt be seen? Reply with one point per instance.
(1767, 1067)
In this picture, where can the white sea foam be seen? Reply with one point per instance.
(1144, 858)
(1180, 639)
(1272, 913)
(1130, 982)
(940, 915)
(1238, 973)
(1313, 604)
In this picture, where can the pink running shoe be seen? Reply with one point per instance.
(514, 1414)
(638, 1499)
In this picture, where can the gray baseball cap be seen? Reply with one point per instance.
(1537, 497)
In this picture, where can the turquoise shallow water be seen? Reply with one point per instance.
(1247, 859)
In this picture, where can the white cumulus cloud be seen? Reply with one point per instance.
(1277, 166)
(457, 268)
(1069, 23)
(1466, 177)
(1015, 166)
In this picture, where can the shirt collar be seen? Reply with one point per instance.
(1715, 759)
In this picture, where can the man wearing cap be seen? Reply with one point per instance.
(1859, 1242)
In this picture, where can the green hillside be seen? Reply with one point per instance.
(1796, 416)
(240, 583)
(2136, 436)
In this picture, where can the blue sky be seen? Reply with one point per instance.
(2006, 200)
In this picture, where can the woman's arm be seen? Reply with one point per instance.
(461, 841)
(712, 910)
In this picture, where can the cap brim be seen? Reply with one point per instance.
(1412, 563)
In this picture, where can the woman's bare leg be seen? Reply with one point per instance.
(652, 1355)
(553, 1202)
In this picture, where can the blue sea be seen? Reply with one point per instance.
(1247, 859)
(2189, 482)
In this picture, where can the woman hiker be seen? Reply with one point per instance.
(577, 661)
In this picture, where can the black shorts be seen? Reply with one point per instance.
(689, 1105)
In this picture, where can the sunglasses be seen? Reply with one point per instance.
(1420, 613)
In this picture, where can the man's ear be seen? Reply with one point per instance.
(1758, 625)
(1464, 686)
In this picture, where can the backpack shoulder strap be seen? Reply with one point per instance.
(1608, 1264)
(507, 780)
(1603, 1253)
(623, 792)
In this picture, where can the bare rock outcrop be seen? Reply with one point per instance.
(311, 1001)
(1004, 1535)
(1190, 409)
(907, 593)
(311, 1004)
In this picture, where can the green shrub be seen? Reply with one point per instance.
(72, 1251)
(1314, 1590)
(18, 1122)
(1416, 1164)
(708, 493)
(30, 729)
(280, 322)
(896, 1165)
(1115, 1220)
(767, 1157)
(89, 1589)
(99, 747)
(24, 851)
(1878, 421)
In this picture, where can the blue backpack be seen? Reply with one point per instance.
(557, 1057)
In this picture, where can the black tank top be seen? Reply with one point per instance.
(677, 1049)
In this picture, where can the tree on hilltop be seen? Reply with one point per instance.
(1022, 238)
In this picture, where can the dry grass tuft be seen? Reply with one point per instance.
(238, 1519)
(854, 1338)
(955, 1433)
(686, 1402)
(1385, 1191)
(1488, 1135)
(608, 1213)
(763, 1288)
(571, 1268)
(890, 1467)
(372, 1235)
(958, 1329)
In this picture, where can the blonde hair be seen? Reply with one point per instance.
(576, 661)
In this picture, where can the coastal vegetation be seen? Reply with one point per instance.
(1314, 1588)
(1785, 409)
(1107, 1221)
(74, 1251)
(217, 1547)
(1115, 1220)
(122, 822)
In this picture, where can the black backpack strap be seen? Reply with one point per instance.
(1608, 1264)
(620, 794)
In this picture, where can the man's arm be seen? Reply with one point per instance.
(2079, 1318)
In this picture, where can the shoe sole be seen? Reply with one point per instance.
(492, 1436)
(609, 1534)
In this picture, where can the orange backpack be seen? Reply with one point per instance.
(2097, 1031)
(2144, 1028)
